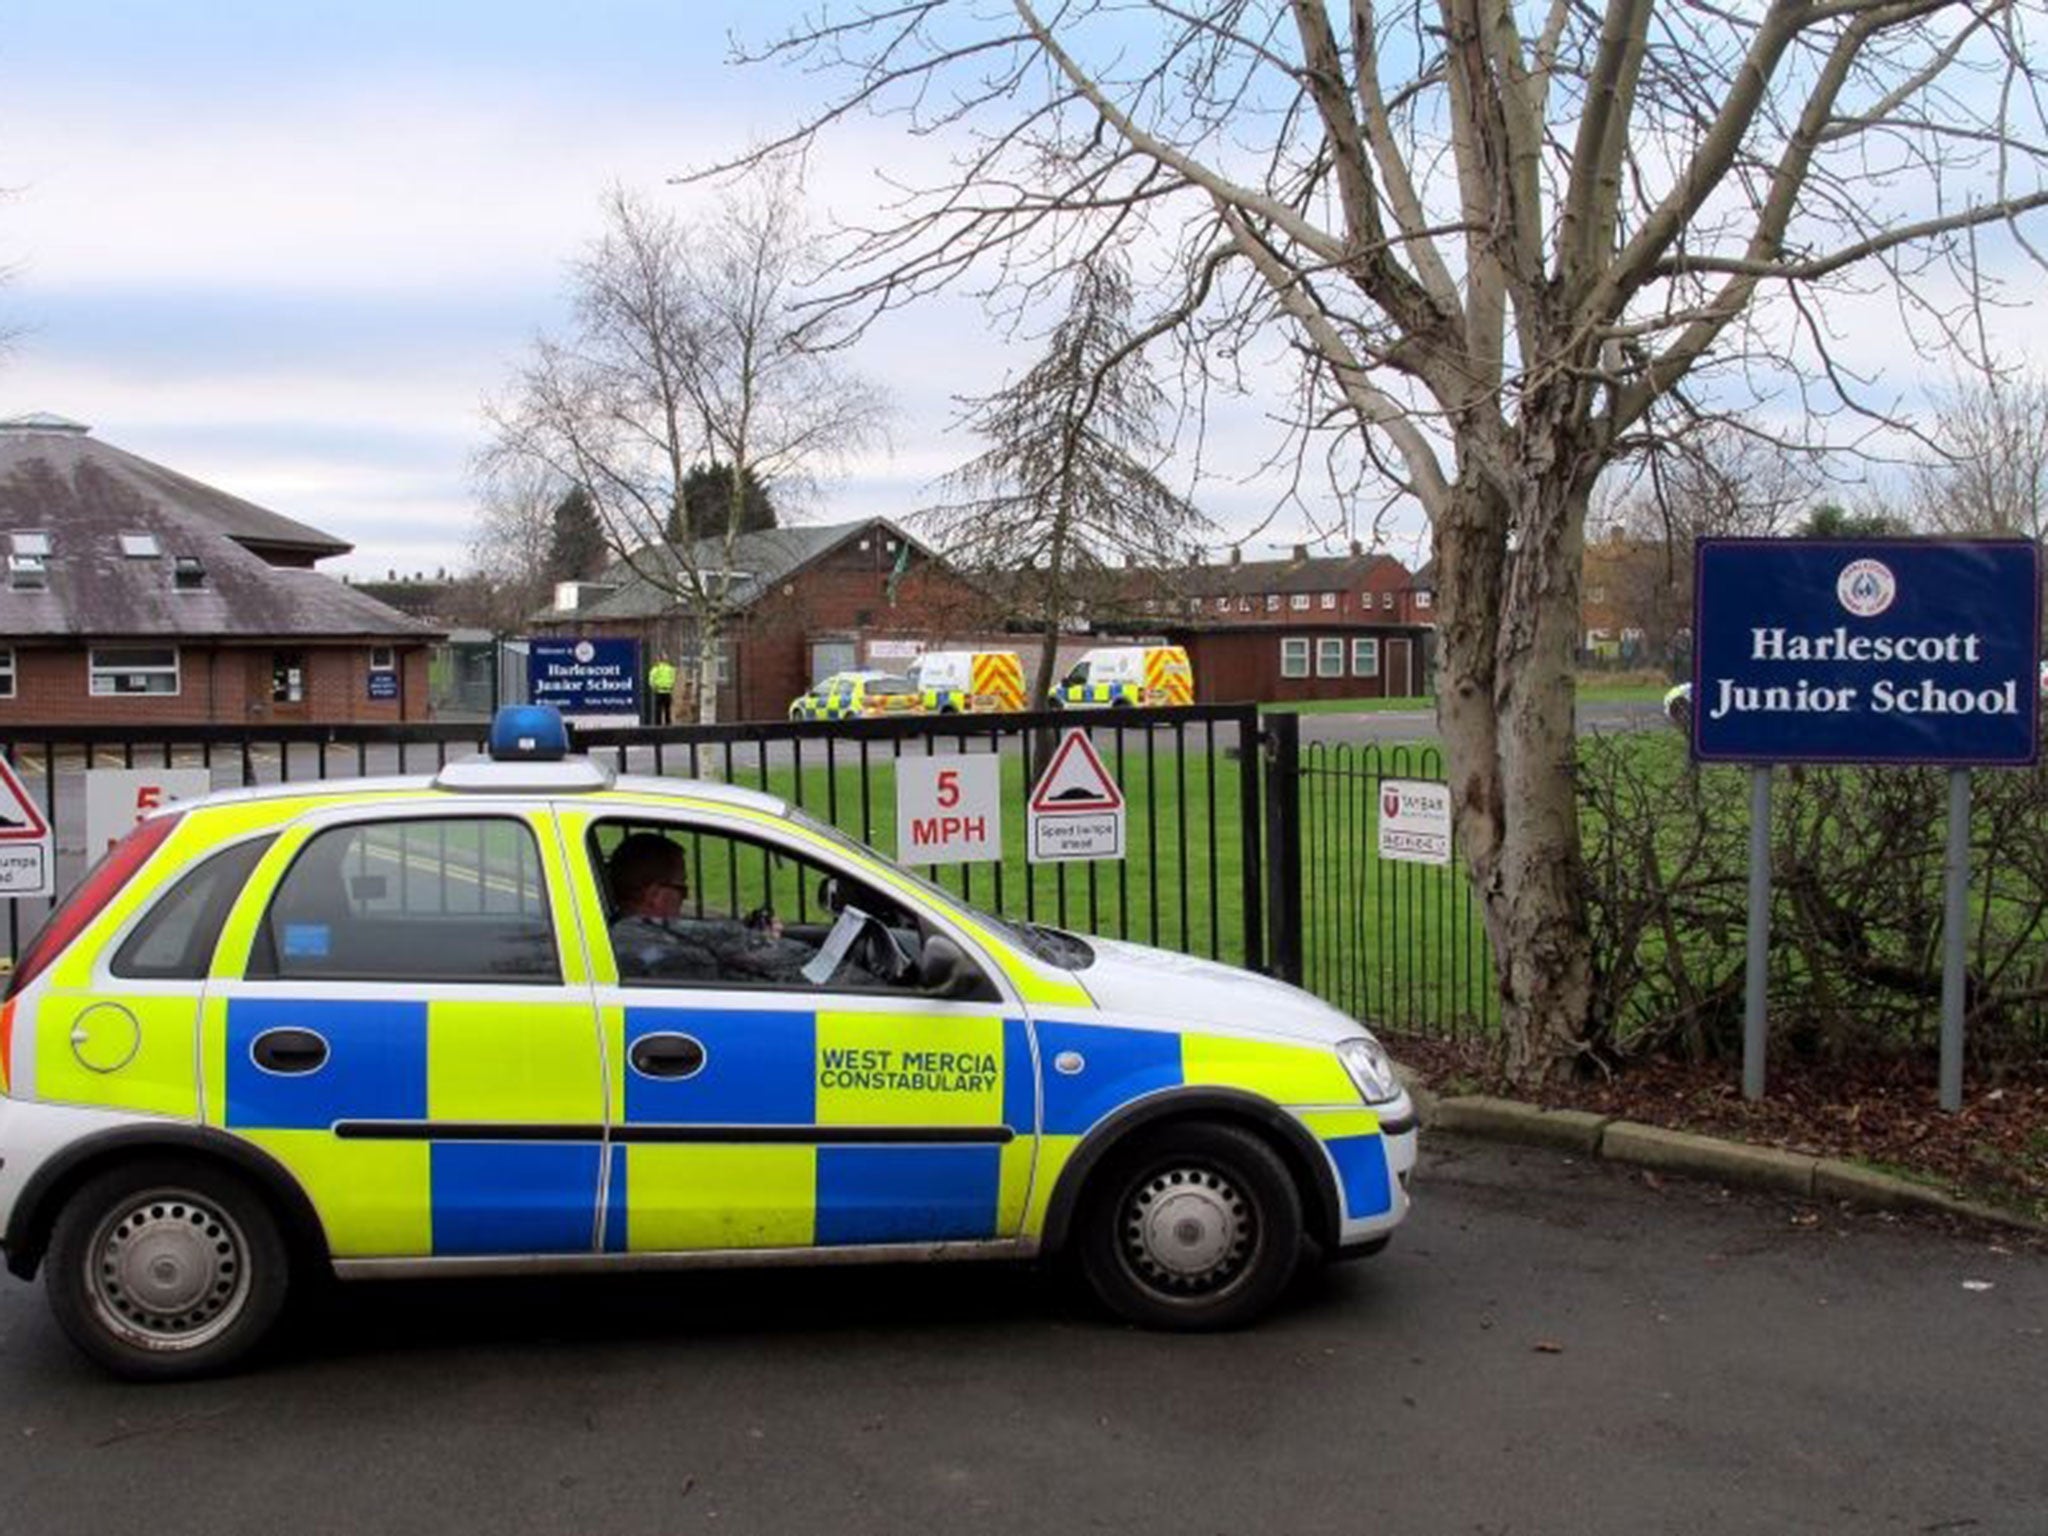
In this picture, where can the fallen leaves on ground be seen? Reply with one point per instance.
(1882, 1113)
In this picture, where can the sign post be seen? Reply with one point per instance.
(1415, 821)
(27, 864)
(949, 810)
(591, 681)
(1077, 811)
(117, 798)
(1879, 651)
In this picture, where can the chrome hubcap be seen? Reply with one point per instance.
(168, 1271)
(1187, 1232)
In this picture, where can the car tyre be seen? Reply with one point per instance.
(1193, 1227)
(167, 1269)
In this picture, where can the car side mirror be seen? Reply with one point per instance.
(943, 970)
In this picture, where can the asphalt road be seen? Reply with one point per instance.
(1549, 1346)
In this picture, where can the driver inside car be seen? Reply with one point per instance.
(649, 880)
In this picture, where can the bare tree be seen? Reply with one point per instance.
(510, 546)
(1717, 480)
(1066, 491)
(1992, 473)
(1502, 240)
(687, 345)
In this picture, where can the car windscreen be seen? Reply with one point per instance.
(1055, 946)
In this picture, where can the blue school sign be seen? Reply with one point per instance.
(591, 681)
(1867, 651)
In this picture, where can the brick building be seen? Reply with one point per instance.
(806, 602)
(1351, 626)
(135, 595)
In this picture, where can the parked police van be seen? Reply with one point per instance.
(968, 682)
(510, 1019)
(1125, 676)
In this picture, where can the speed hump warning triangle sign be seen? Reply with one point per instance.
(1077, 811)
(25, 862)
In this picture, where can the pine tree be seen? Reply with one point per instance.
(707, 504)
(576, 546)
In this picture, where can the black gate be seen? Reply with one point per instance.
(1242, 845)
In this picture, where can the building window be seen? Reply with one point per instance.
(1422, 600)
(1294, 656)
(1365, 658)
(27, 573)
(1194, 605)
(1330, 656)
(383, 658)
(140, 546)
(1272, 602)
(1387, 601)
(1298, 602)
(1223, 605)
(30, 542)
(1244, 604)
(188, 574)
(7, 672)
(133, 669)
(1329, 601)
(287, 677)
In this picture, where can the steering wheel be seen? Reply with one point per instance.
(877, 953)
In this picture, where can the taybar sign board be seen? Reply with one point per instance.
(1867, 651)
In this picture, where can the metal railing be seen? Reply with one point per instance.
(1243, 844)
(1191, 878)
(1396, 943)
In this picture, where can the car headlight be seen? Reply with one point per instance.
(1370, 1068)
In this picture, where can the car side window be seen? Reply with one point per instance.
(175, 939)
(692, 906)
(438, 899)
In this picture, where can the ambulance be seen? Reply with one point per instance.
(411, 1027)
(969, 682)
(1123, 676)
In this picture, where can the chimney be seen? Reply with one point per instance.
(1357, 550)
(1300, 553)
(1236, 555)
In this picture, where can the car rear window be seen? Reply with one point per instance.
(175, 939)
(444, 899)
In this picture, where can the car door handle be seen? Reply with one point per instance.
(290, 1051)
(668, 1055)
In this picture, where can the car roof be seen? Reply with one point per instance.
(478, 778)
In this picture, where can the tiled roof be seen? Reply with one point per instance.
(759, 561)
(85, 496)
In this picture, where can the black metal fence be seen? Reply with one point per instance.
(1241, 845)
(1396, 942)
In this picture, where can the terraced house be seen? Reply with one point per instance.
(137, 595)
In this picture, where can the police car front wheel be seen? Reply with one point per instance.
(1192, 1227)
(166, 1268)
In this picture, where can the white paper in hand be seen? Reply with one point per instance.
(833, 951)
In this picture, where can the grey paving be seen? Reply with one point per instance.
(1553, 1345)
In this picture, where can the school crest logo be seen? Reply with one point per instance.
(1866, 588)
(1390, 803)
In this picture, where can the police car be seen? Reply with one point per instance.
(378, 1028)
(857, 696)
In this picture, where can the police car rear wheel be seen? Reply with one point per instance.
(166, 1269)
(1195, 1227)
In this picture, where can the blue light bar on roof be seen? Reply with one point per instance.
(529, 733)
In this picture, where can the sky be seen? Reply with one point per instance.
(290, 249)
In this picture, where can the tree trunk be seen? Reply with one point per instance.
(707, 670)
(1505, 706)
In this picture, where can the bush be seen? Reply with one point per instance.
(1856, 859)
